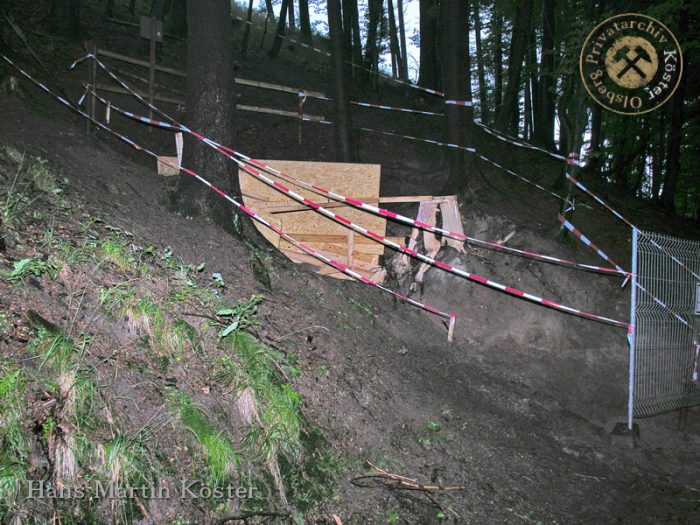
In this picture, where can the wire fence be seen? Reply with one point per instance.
(665, 354)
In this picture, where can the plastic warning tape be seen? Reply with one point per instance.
(310, 251)
(393, 108)
(467, 275)
(335, 196)
(585, 240)
(312, 204)
(418, 139)
(465, 103)
(628, 223)
(270, 169)
(520, 143)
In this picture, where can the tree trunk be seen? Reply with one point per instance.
(292, 19)
(246, 31)
(346, 16)
(534, 110)
(356, 35)
(483, 97)
(281, 23)
(270, 11)
(393, 41)
(341, 104)
(658, 158)
(458, 119)
(544, 117)
(498, 61)
(132, 7)
(429, 67)
(402, 40)
(178, 18)
(304, 21)
(675, 133)
(374, 17)
(109, 9)
(66, 17)
(508, 116)
(210, 110)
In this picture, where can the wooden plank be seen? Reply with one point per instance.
(110, 89)
(137, 62)
(293, 114)
(308, 226)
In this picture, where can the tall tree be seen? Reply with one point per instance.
(394, 41)
(374, 19)
(458, 118)
(210, 102)
(341, 103)
(429, 67)
(304, 21)
(508, 116)
(544, 114)
(675, 133)
(402, 41)
(246, 31)
(281, 23)
(65, 15)
(292, 19)
(497, 22)
(481, 73)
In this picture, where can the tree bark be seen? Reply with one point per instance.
(109, 9)
(341, 104)
(292, 19)
(429, 67)
(210, 110)
(402, 40)
(356, 35)
(374, 18)
(498, 61)
(270, 10)
(458, 119)
(675, 132)
(281, 23)
(246, 31)
(481, 74)
(304, 21)
(508, 117)
(544, 117)
(393, 41)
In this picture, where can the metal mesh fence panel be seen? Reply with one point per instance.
(664, 349)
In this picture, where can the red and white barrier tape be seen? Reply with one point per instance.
(585, 240)
(270, 169)
(310, 251)
(393, 108)
(628, 223)
(456, 271)
(520, 143)
(465, 103)
(346, 222)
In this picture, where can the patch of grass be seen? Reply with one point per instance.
(14, 448)
(220, 457)
(115, 251)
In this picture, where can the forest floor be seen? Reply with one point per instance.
(104, 286)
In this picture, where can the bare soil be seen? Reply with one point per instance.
(516, 412)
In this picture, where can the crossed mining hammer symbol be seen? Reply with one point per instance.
(640, 54)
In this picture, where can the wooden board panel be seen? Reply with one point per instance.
(309, 226)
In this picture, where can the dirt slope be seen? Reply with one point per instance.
(516, 412)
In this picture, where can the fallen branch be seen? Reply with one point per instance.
(395, 481)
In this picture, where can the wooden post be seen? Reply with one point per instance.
(152, 69)
(92, 82)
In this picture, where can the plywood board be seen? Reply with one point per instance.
(315, 230)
